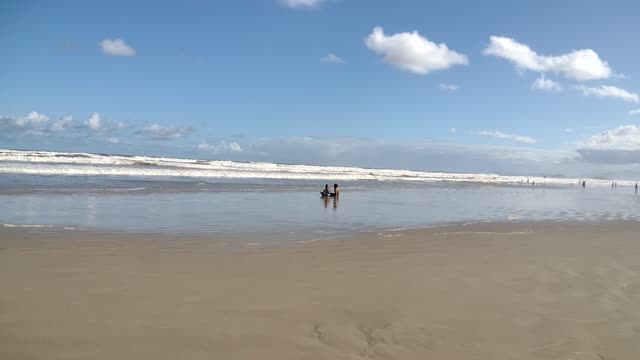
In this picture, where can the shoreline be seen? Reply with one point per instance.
(269, 237)
(535, 290)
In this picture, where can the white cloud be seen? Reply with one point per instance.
(33, 119)
(501, 135)
(542, 83)
(158, 132)
(611, 92)
(617, 146)
(61, 124)
(302, 3)
(453, 130)
(94, 122)
(116, 47)
(413, 52)
(623, 138)
(220, 147)
(33, 122)
(449, 87)
(38, 124)
(634, 112)
(97, 125)
(332, 58)
(580, 65)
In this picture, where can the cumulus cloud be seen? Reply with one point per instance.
(32, 122)
(634, 112)
(580, 65)
(221, 146)
(449, 87)
(302, 3)
(116, 47)
(617, 146)
(33, 119)
(501, 135)
(332, 58)
(409, 51)
(96, 125)
(608, 91)
(542, 83)
(94, 122)
(35, 123)
(623, 138)
(158, 132)
(61, 124)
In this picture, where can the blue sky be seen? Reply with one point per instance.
(312, 81)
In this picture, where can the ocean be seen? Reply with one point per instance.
(43, 190)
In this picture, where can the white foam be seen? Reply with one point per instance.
(56, 163)
(25, 226)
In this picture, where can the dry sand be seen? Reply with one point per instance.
(488, 291)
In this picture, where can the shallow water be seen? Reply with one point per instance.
(291, 207)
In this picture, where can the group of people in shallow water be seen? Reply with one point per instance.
(327, 192)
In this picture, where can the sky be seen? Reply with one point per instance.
(526, 87)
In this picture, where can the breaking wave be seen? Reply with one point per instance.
(69, 164)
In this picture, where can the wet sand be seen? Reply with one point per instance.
(487, 291)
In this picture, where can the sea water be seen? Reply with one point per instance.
(83, 191)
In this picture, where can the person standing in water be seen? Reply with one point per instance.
(326, 191)
(336, 190)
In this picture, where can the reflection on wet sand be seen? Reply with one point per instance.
(334, 200)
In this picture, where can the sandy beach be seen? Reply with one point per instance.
(543, 290)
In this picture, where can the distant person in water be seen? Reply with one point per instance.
(336, 190)
(326, 191)
(636, 188)
(584, 184)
